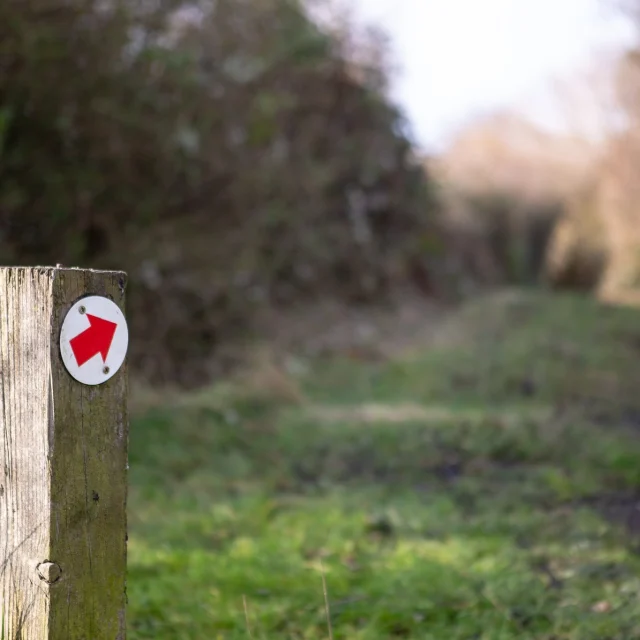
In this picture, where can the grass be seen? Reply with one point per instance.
(484, 488)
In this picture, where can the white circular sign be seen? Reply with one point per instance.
(94, 340)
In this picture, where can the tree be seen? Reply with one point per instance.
(225, 153)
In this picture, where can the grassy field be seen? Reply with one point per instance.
(481, 488)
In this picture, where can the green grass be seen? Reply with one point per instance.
(505, 511)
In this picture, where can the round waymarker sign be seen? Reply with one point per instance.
(94, 340)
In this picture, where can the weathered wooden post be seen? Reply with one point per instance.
(63, 454)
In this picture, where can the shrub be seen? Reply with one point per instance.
(511, 233)
(225, 154)
(579, 255)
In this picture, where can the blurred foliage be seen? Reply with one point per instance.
(579, 254)
(517, 233)
(499, 236)
(225, 154)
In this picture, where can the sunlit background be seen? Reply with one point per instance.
(458, 59)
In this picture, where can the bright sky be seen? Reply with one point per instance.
(462, 57)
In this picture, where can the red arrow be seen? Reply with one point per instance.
(96, 339)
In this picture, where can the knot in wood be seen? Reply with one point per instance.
(50, 572)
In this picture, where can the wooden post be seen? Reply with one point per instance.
(63, 467)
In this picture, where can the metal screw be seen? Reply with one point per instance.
(82, 309)
(50, 572)
(105, 370)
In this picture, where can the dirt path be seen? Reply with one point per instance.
(327, 327)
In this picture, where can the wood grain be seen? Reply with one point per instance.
(63, 468)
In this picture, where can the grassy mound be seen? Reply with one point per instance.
(483, 488)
